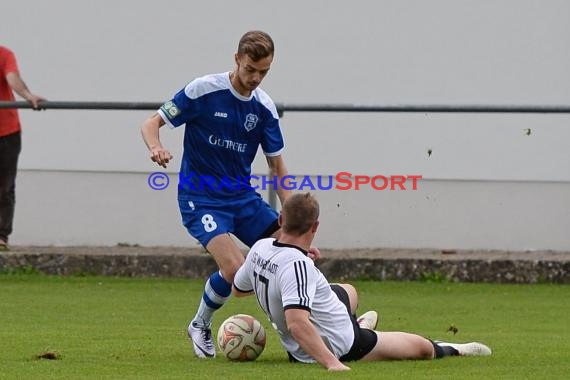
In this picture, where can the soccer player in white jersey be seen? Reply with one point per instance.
(316, 320)
(227, 117)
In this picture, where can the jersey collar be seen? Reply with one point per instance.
(234, 92)
(284, 245)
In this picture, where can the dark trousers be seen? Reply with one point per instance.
(10, 147)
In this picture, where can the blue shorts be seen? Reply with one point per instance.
(248, 218)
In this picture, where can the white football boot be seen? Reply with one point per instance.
(468, 349)
(368, 320)
(201, 338)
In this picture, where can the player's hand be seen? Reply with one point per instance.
(161, 156)
(35, 101)
(338, 367)
(314, 253)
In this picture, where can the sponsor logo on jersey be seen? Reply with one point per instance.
(170, 109)
(250, 121)
(228, 144)
(221, 114)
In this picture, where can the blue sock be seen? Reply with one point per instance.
(216, 292)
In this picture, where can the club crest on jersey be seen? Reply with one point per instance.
(170, 109)
(250, 121)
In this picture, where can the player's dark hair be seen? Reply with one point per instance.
(256, 44)
(300, 212)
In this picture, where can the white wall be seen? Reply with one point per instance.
(360, 52)
(75, 208)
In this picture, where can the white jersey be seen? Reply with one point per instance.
(283, 277)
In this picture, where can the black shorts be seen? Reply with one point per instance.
(364, 339)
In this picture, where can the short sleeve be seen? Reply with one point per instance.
(180, 109)
(8, 62)
(242, 279)
(298, 284)
(272, 143)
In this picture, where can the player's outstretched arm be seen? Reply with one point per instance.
(305, 333)
(151, 138)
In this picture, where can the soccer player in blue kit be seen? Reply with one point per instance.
(227, 117)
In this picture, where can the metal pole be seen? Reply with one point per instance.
(425, 108)
(284, 107)
(86, 105)
(272, 195)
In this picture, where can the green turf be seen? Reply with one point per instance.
(133, 328)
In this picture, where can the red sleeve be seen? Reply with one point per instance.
(7, 61)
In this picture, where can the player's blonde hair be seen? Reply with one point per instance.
(256, 44)
(299, 213)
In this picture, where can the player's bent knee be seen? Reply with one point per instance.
(350, 289)
(352, 295)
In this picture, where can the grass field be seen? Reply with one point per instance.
(134, 328)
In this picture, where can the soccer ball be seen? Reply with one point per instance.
(241, 337)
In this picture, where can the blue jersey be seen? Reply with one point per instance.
(223, 133)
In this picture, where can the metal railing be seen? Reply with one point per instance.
(285, 107)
